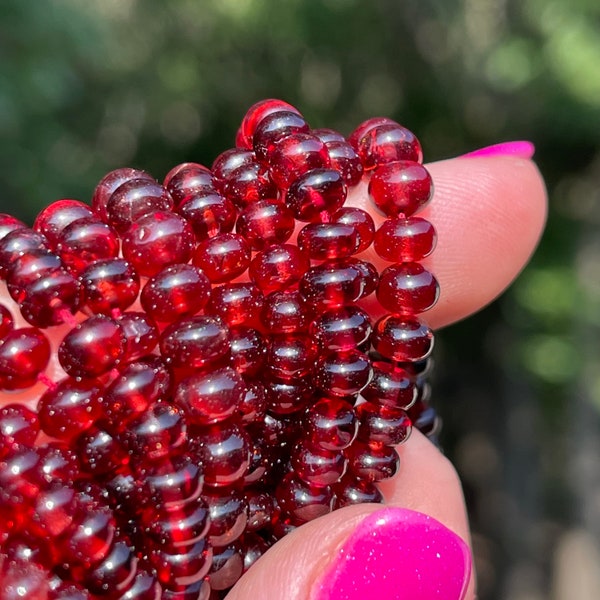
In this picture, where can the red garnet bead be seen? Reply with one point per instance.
(29, 268)
(402, 339)
(7, 323)
(227, 162)
(265, 222)
(18, 243)
(407, 288)
(18, 425)
(157, 240)
(302, 501)
(285, 312)
(317, 192)
(194, 342)
(343, 373)
(272, 128)
(109, 285)
(51, 221)
(372, 461)
(85, 242)
(278, 267)
(187, 179)
(208, 213)
(391, 386)
(383, 424)
(109, 183)
(248, 350)
(223, 257)
(254, 403)
(322, 241)
(255, 114)
(360, 220)
(248, 184)
(343, 158)
(366, 126)
(177, 291)
(70, 408)
(210, 397)
(100, 452)
(331, 424)
(350, 490)
(92, 348)
(288, 397)
(228, 515)
(385, 143)
(9, 223)
(141, 334)
(290, 357)
(236, 303)
(404, 239)
(400, 188)
(316, 466)
(294, 155)
(341, 329)
(134, 199)
(24, 354)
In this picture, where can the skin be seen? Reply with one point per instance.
(489, 214)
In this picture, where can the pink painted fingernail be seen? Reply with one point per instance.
(521, 149)
(398, 554)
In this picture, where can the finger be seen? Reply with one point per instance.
(307, 563)
(489, 214)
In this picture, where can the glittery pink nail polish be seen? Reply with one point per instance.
(398, 554)
(520, 149)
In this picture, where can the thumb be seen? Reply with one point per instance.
(398, 551)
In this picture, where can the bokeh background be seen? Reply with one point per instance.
(87, 86)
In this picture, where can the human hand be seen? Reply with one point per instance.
(489, 211)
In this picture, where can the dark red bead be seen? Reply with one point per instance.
(199, 590)
(372, 461)
(224, 451)
(29, 268)
(278, 267)
(175, 569)
(99, 452)
(194, 342)
(402, 339)
(254, 403)
(248, 350)
(7, 322)
(316, 466)
(350, 490)
(285, 312)
(405, 239)
(158, 240)
(143, 587)
(141, 334)
(18, 243)
(385, 143)
(289, 397)
(69, 408)
(400, 188)
(227, 566)
(265, 222)
(249, 183)
(407, 289)
(223, 257)
(228, 515)
(115, 571)
(24, 354)
(316, 192)
(210, 397)
(24, 579)
(332, 284)
(328, 135)
(290, 357)
(383, 424)
(9, 223)
(18, 425)
(109, 183)
(331, 424)
(362, 222)
(390, 386)
(236, 303)
(92, 348)
(208, 213)
(344, 159)
(261, 509)
(134, 199)
(342, 328)
(343, 373)
(322, 241)
(188, 179)
(19, 474)
(57, 462)
(227, 162)
(366, 126)
(176, 291)
(294, 155)
(53, 219)
(274, 127)
(255, 114)
(109, 285)
(301, 501)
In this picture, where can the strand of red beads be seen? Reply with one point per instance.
(222, 381)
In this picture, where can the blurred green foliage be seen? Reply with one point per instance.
(91, 85)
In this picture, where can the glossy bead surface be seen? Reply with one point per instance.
(210, 397)
(254, 403)
(109, 183)
(51, 220)
(24, 354)
(272, 128)
(366, 126)
(322, 241)
(100, 452)
(285, 312)
(223, 257)
(194, 342)
(228, 161)
(372, 461)
(178, 569)
(248, 350)
(360, 220)
(228, 515)
(255, 114)
(400, 188)
(385, 143)
(236, 303)
(288, 397)
(7, 322)
(109, 285)
(248, 184)
(316, 192)
(331, 424)
(176, 291)
(343, 158)
(208, 213)
(351, 490)
(158, 240)
(227, 566)
(115, 571)
(390, 386)
(316, 466)
(141, 334)
(27, 269)
(278, 267)
(18, 243)
(187, 179)
(382, 424)
(18, 425)
(265, 222)
(402, 339)
(9, 223)
(407, 289)
(301, 501)
(134, 199)
(341, 329)
(343, 373)
(332, 284)
(405, 239)
(290, 357)
(294, 155)
(261, 507)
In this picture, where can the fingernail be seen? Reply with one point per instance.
(521, 149)
(398, 554)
